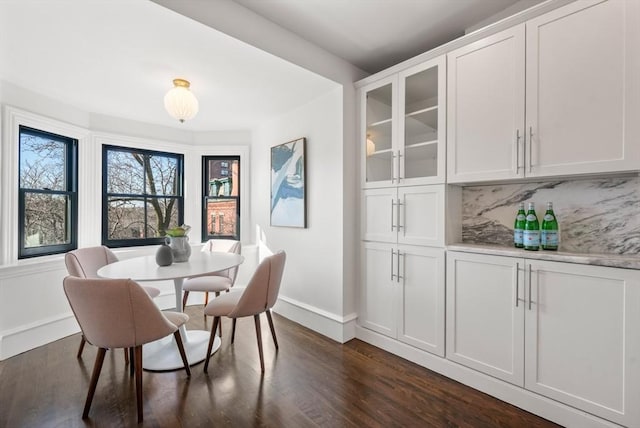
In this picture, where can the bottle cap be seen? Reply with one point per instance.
(531, 205)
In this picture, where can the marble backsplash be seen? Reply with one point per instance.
(595, 215)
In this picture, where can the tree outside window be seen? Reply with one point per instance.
(142, 195)
(221, 197)
(47, 195)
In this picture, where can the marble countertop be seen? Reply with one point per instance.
(611, 260)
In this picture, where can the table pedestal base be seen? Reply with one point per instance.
(163, 354)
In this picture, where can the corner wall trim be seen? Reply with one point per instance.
(338, 328)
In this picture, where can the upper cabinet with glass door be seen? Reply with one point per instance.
(403, 131)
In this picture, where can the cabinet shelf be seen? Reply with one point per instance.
(421, 144)
(380, 123)
(422, 111)
(381, 153)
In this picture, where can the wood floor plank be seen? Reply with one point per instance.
(310, 381)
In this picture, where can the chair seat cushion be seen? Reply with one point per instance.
(151, 291)
(211, 284)
(176, 318)
(223, 305)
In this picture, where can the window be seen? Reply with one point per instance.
(47, 194)
(142, 195)
(221, 197)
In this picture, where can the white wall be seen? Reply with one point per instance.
(312, 288)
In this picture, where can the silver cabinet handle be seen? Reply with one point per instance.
(517, 283)
(399, 156)
(517, 150)
(393, 205)
(530, 286)
(530, 148)
(393, 161)
(398, 267)
(400, 226)
(393, 253)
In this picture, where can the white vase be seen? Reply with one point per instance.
(179, 247)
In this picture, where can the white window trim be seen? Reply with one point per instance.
(9, 153)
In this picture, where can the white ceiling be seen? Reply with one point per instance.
(376, 34)
(118, 57)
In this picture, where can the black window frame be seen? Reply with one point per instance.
(71, 191)
(119, 243)
(205, 195)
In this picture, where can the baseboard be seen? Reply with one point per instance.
(27, 337)
(340, 329)
(519, 397)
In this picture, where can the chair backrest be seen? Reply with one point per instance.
(85, 262)
(263, 288)
(115, 313)
(229, 246)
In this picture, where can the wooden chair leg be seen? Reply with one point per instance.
(97, 367)
(138, 363)
(256, 318)
(206, 298)
(183, 355)
(132, 363)
(233, 330)
(185, 295)
(81, 348)
(273, 330)
(214, 327)
(219, 325)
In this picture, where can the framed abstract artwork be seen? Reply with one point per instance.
(288, 192)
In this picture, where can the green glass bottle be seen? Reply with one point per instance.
(518, 227)
(549, 236)
(531, 234)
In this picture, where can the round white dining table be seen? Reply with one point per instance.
(163, 354)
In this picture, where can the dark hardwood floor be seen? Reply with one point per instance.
(311, 381)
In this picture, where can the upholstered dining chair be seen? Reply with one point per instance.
(216, 282)
(85, 262)
(118, 313)
(259, 296)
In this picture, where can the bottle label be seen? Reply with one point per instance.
(531, 238)
(531, 217)
(549, 238)
(521, 217)
(518, 237)
(549, 217)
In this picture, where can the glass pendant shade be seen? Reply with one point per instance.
(180, 101)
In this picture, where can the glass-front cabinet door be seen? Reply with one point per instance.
(378, 107)
(403, 127)
(422, 113)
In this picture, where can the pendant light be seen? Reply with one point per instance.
(180, 101)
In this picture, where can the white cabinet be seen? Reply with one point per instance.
(567, 331)
(579, 94)
(403, 294)
(403, 127)
(405, 215)
(485, 321)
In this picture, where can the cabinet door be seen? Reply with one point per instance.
(377, 133)
(421, 311)
(421, 215)
(583, 338)
(485, 118)
(421, 123)
(485, 314)
(380, 215)
(582, 89)
(378, 291)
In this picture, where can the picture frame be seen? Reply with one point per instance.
(288, 184)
